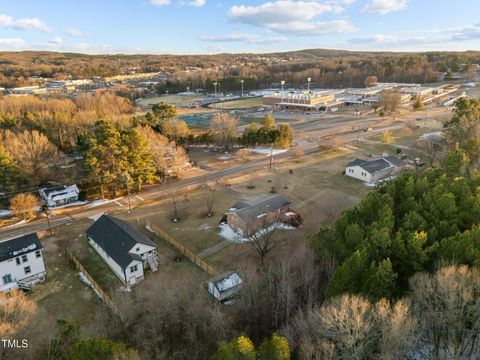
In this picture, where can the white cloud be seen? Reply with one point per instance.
(420, 37)
(294, 17)
(160, 2)
(383, 7)
(8, 22)
(197, 3)
(74, 32)
(12, 43)
(248, 38)
(57, 40)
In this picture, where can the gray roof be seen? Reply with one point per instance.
(373, 166)
(10, 249)
(117, 238)
(249, 209)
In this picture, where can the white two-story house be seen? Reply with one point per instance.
(125, 250)
(21, 263)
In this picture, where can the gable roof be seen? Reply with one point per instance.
(117, 238)
(226, 282)
(249, 209)
(373, 166)
(12, 248)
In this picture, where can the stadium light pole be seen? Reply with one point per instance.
(283, 84)
(308, 83)
(242, 81)
(215, 86)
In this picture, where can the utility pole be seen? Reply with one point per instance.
(44, 209)
(127, 180)
(271, 156)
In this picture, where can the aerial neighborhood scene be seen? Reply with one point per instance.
(240, 180)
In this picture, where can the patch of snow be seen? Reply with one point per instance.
(101, 202)
(96, 216)
(16, 224)
(224, 157)
(89, 284)
(267, 151)
(76, 203)
(289, 213)
(229, 234)
(205, 227)
(5, 213)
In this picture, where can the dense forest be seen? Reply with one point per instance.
(327, 68)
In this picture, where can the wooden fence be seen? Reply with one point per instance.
(104, 297)
(202, 264)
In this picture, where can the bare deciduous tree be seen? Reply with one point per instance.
(243, 155)
(447, 305)
(24, 205)
(263, 240)
(15, 311)
(34, 153)
(224, 127)
(210, 201)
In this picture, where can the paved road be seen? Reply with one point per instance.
(339, 127)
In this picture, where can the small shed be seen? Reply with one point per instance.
(225, 285)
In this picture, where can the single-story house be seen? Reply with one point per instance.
(373, 170)
(59, 195)
(247, 216)
(21, 262)
(125, 250)
(225, 285)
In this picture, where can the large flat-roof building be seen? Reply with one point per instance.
(304, 100)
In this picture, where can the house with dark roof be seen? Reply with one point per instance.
(21, 263)
(59, 195)
(125, 250)
(225, 285)
(247, 216)
(373, 170)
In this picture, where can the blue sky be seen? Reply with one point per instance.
(213, 26)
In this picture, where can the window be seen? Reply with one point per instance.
(7, 279)
(38, 254)
(133, 268)
(27, 270)
(18, 261)
(24, 258)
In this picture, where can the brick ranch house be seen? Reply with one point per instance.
(247, 216)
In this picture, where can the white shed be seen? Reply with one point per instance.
(225, 285)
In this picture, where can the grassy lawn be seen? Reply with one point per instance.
(195, 230)
(238, 104)
(62, 295)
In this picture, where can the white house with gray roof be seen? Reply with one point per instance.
(125, 250)
(21, 263)
(373, 170)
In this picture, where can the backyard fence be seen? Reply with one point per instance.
(103, 296)
(202, 264)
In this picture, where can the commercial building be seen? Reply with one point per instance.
(303, 100)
